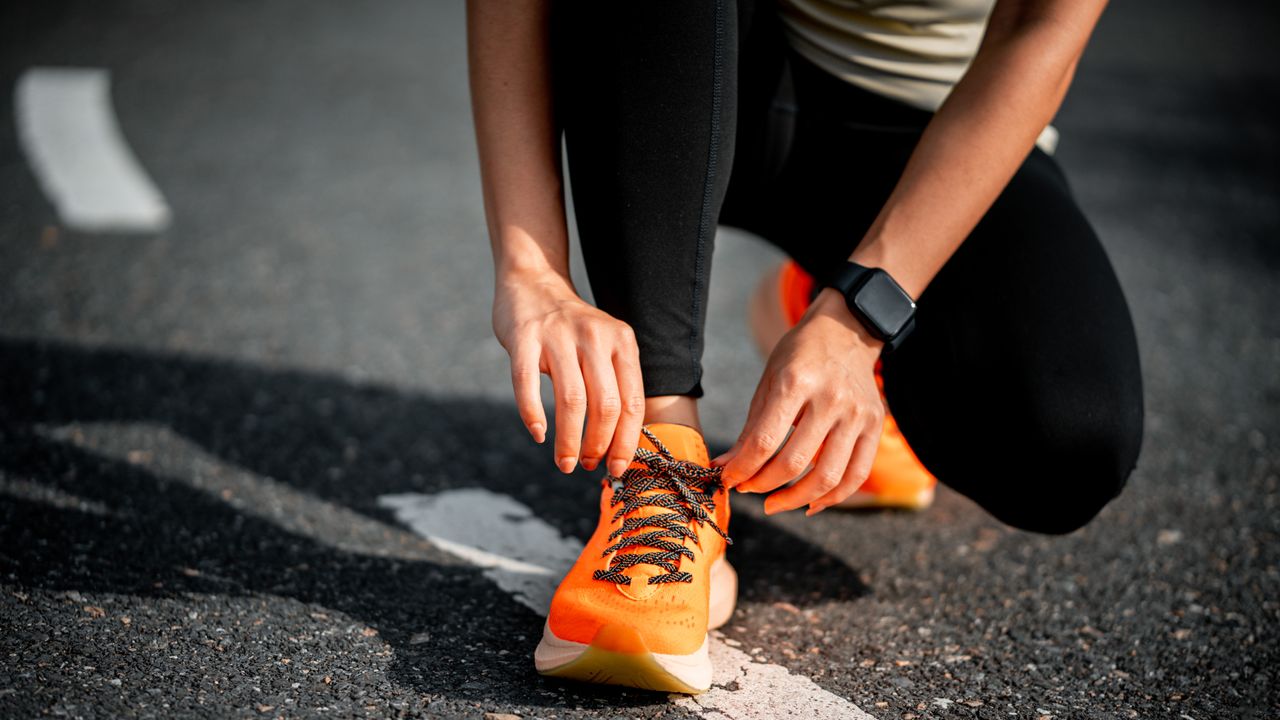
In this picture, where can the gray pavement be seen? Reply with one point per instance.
(195, 425)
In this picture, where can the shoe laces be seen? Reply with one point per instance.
(660, 480)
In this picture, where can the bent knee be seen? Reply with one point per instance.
(1065, 471)
(1057, 510)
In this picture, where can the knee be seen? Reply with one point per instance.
(1067, 465)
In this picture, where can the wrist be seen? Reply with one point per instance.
(830, 307)
(876, 301)
(526, 275)
(522, 256)
(876, 251)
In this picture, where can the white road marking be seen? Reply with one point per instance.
(527, 557)
(174, 458)
(38, 492)
(520, 553)
(69, 133)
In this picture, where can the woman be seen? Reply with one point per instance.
(911, 164)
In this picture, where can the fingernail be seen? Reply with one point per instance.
(589, 463)
(566, 464)
(617, 467)
(539, 432)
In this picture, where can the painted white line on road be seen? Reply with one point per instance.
(511, 540)
(68, 130)
(37, 492)
(520, 553)
(173, 458)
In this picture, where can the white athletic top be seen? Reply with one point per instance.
(913, 51)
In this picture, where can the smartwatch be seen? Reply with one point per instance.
(879, 303)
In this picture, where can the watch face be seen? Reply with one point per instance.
(884, 303)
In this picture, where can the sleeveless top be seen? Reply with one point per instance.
(913, 51)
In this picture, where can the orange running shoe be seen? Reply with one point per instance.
(636, 607)
(898, 479)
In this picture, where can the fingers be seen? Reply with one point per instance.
(827, 473)
(526, 379)
(597, 382)
(821, 380)
(795, 456)
(626, 366)
(571, 405)
(763, 434)
(593, 362)
(864, 454)
(604, 406)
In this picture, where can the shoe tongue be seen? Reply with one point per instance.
(684, 442)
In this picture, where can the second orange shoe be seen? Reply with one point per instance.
(636, 607)
(897, 479)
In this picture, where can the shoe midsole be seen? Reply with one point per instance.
(693, 669)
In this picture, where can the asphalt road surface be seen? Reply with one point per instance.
(225, 445)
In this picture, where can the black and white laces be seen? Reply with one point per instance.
(660, 480)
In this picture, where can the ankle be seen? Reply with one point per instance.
(679, 409)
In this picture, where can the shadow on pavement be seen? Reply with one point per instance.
(331, 439)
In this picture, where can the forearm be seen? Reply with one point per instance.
(978, 138)
(516, 137)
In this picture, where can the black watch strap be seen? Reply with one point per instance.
(848, 278)
(877, 301)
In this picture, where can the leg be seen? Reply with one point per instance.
(1024, 390)
(647, 96)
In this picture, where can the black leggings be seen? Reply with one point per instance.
(1020, 386)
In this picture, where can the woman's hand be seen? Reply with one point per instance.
(537, 316)
(821, 379)
(593, 362)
